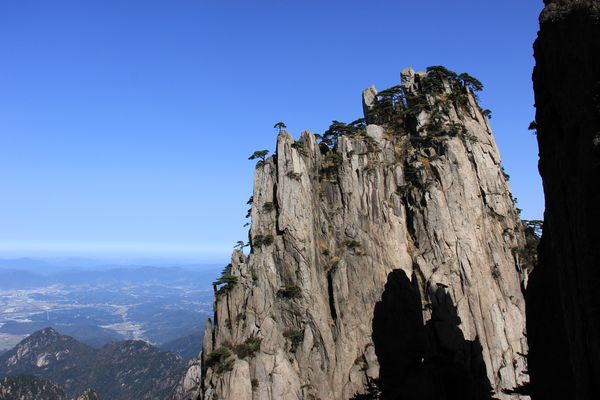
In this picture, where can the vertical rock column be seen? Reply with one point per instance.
(563, 297)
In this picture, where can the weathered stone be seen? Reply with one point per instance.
(368, 98)
(189, 386)
(436, 214)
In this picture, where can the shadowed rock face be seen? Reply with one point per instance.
(422, 362)
(421, 192)
(563, 297)
(398, 333)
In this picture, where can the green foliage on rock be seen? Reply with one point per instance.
(472, 83)
(249, 348)
(262, 240)
(259, 155)
(295, 336)
(533, 234)
(496, 274)
(289, 292)
(220, 360)
(299, 146)
(280, 126)
(441, 93)
(226, 281)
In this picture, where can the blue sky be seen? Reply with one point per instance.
(125, 127)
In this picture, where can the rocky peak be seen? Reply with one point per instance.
(122, 370)
(46, 349)
(44, 336)
(47, 332)
(381, 251)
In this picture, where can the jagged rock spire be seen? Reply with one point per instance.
(412, 206)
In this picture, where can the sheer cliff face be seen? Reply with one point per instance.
(388, 254)
(563, 298)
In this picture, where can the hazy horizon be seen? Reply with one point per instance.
(33, 261)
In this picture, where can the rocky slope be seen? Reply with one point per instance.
(189, 386)
(388, 251)
(563, 297)
(50, 355)
(122, 370)
(28, 387)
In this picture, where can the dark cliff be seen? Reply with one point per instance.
(563, 297)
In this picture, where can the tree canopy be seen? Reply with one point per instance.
(259, 154)
(280, 126)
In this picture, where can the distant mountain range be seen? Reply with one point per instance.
(80, 262)
(118, 371)
(101, 306)
(30, 273)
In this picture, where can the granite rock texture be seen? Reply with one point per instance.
(386, 255)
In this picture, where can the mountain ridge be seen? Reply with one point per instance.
(121, 370)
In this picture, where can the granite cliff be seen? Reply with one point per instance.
(563, 297)
(384, 258)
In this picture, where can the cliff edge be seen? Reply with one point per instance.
(384, 258)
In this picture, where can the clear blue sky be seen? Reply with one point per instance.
(125, 126)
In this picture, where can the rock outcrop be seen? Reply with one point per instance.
(189, 385)
(563, 296)
(382, 256)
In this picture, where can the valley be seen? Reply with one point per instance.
(96, 307)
